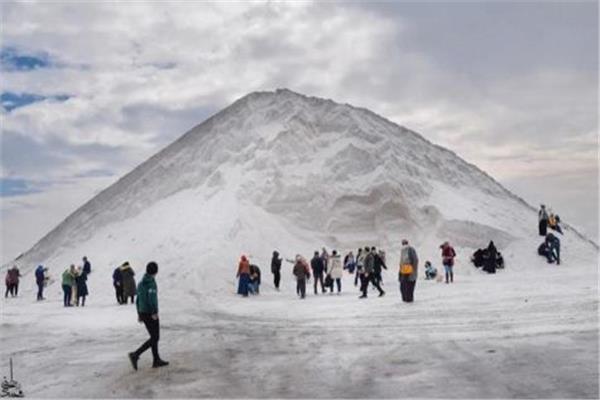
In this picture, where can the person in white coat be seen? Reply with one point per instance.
(335, 270)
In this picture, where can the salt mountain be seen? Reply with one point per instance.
(279, 170)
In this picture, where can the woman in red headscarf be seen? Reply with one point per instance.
(243, 273)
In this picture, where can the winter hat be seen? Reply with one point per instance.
(404, 242)
(334, 252)
(244, 258)
(152, 268)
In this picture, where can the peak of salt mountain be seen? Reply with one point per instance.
(313, 165)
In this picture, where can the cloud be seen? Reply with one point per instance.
(510, 87)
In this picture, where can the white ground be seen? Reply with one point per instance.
(283, 171)
(521, 333)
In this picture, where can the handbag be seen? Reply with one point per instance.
(406, 269)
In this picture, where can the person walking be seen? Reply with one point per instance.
(40, 280)
(68, 281)
(378, 266)
(128, 275)
(448, 255)
(82, 289)
(335, 271)
(118, 285)
(147, 308)
(302, 273)
(276, 269)
(368, 275)
(409, 263)
(542, 220)
(360, 259)
(317, 264)
(243, 273)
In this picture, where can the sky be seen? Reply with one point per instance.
(90, 90)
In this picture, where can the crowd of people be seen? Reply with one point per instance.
(326, 271)
(74, 284)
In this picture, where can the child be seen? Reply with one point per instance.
(430, 271)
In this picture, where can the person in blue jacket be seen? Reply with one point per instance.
(147, 308)
(40, 280)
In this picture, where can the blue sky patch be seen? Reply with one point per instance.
(10, 100)
(16, 187)
(12, 60)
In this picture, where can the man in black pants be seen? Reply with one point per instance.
(147, 307)
(368, 275)
(276, 269)
(318, 266)
(378, 265)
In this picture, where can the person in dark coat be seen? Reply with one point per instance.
(118, 284)
(368, 275)
(378, 266)
(82, 289)
(147, 308)
(409, 265)
(543, 220)
(129, 289)
(12, 281)
(302, 273)
(254, 279)
(317, 264)
(490, 262)
(553, 244)
(276, 269)
(40, 280)
(87, 267)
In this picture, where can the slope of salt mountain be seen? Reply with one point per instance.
(283, 171)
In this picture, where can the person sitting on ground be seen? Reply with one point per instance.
(490, 261)
(553, 244)
(254, 285)
(430, 271)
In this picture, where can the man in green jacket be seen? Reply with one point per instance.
(147, 307)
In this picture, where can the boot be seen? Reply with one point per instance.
(134, 360)
(159, 363)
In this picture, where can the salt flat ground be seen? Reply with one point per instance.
(531, 333)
